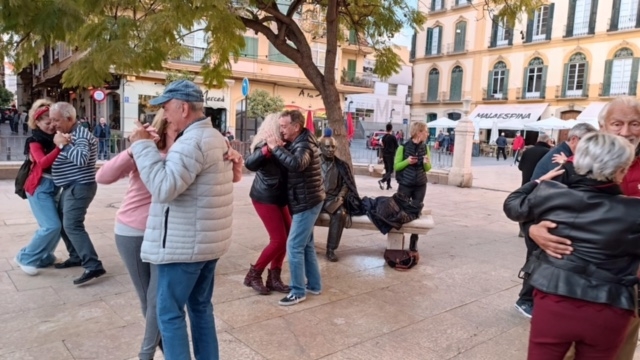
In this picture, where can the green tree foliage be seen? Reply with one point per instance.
(6, 97)
(261, 104)
(178, 75)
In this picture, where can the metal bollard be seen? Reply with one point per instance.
(8, 153)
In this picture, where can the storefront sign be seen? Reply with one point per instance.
(504, 116)
(213, 99)
(307, 94)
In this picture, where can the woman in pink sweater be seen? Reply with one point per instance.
(131, 220)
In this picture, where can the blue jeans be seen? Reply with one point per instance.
(72, 208)
(301, 251)
(190, 284)
(39, 252)
(103, 148)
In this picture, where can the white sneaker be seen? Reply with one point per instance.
(29, 270)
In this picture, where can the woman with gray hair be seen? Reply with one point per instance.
(269, 197)
(586, 298)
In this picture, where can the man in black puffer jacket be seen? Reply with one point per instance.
(305, 190)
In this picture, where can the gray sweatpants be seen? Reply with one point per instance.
(145, 279)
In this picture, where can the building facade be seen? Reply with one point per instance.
(568, 55)
(127, 96)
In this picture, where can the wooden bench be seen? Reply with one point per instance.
(420, 226)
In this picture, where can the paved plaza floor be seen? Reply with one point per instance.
(456, 304)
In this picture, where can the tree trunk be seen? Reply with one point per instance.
(332, 102)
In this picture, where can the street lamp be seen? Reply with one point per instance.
(391, 115)
(349, 106)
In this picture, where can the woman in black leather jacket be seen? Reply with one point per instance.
(269, 197)
(586, 297)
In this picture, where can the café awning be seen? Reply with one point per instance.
(591, 112)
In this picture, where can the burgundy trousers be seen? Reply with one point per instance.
(277, 221)
(597, 330)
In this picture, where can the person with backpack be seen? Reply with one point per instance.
(41, 192)
(411, 165)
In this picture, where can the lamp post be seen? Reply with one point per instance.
(460, 174)
(391, 115)
(349, 106)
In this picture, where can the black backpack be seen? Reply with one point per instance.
(21, 178)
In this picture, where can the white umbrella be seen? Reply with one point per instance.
(552, 123)
(442, 122)
(511, 125)
(494, 133)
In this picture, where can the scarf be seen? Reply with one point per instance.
(42, 138)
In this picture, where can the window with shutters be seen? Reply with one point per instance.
(460, 37)
(393, 90)
(503, 34)
(318, 54)
(276, 56)
(433, 85)
(434, 38)
(497, 81)
(195, 41)
(621, 72)
(250, 47)
(628, 14)
(534, 77)
(575, 76)
(581, 17)
(540, 23)
(437, 5)
(455, 89)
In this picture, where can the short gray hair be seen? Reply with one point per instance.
(543, 138)
(581, 130)
(66, 110)
(600, 156)
(196, 106)
(626, 101)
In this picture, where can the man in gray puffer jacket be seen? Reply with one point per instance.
(189, 224)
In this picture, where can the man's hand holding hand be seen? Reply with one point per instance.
(140, 133)
(61, 139)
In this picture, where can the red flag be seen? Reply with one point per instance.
(350, 128)
(309, 124)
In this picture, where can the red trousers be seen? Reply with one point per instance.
(598, 330)
(277, 221)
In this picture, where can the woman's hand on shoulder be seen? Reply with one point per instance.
(552, 174)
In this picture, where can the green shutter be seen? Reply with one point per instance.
(529, 37)
(489, 84)
(413, 47)
(565, 79)
(494, 33)
(433, 5)
(585, 82)
(543, 86)
(250, 47)
(633, 83)
(351, 69)
(439, 40)
(455, 88)
(550, 20)
(432, 93)
(615, 16)
(606, 85)
(461, 33)
(427, 49)
(638, 16)
(353, 39)
(592, 18)
(571, 18)
(524, 83)
(505, 88)
(510, 30)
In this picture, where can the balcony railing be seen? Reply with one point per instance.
(434, 9)
(496, 96)
(424, 98)
(455, 4)
(461, 48)
(364, 80)
(498, 43)
(534, 95)
(453, 97)
(193, 54)
(617, 89)
(571, 94)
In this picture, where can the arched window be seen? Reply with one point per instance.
(574, 83)
(498, 78)
(459, 44)
(432, 90)
(455, 88)
(621, 74)
(535, 78)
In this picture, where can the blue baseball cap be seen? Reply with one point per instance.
(184, 90)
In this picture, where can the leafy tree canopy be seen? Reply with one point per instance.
(6, 97)
(261, 104)
(179, 75)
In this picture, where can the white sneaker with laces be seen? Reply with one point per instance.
(291, 300)
(29, 270)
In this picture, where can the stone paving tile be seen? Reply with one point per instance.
(457, 303)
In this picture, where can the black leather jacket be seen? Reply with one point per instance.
(604, 228)
(301, 158)
(270, 183)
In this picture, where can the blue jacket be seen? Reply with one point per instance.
(501, 141)
(101, 133)
(546, 163)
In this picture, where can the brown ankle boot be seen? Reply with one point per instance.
(274, 282)
(254, 280)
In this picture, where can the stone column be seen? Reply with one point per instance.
(460, 174)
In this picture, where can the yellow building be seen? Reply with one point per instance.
(565, 60)
(127, 96)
